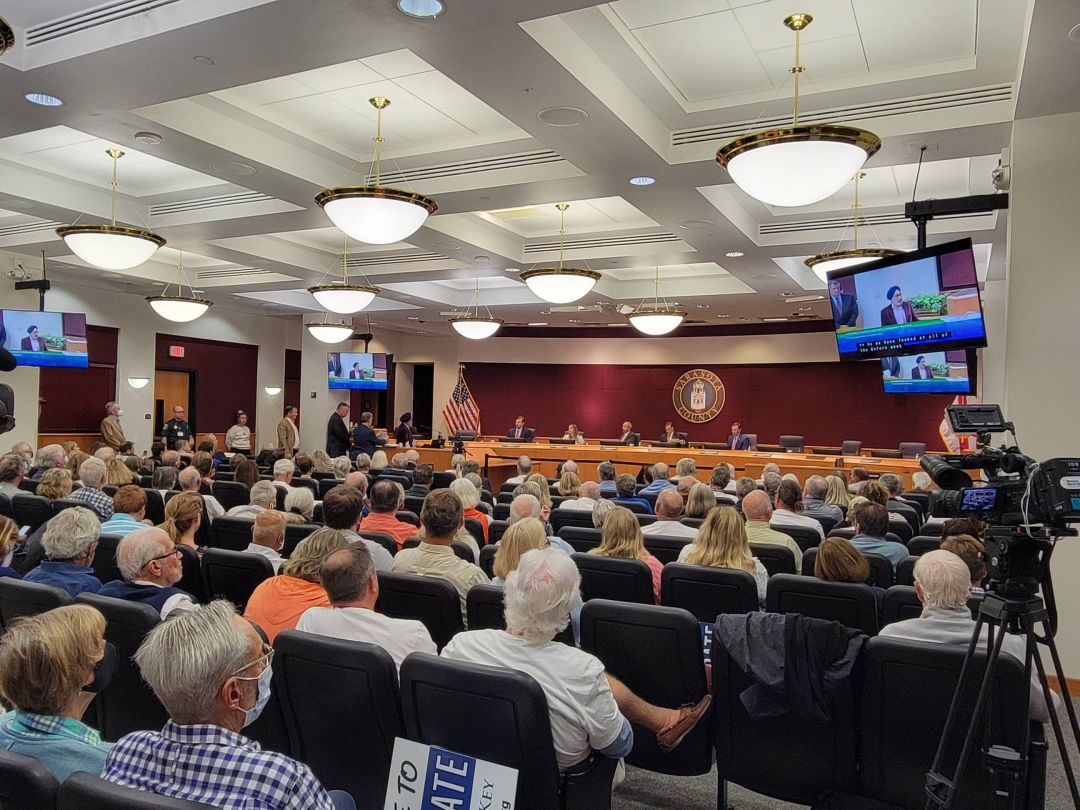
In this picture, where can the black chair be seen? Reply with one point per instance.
(29, 485)
(230, 494)
(496, 531)
(581, 538)
(231, 533)
(565, 518)
(501, 511)
(327, 484)
(104, 565)
(908, 512)
(665, 548)
(30, 510)
(442, 480)
(644, 520)
(776, 559)
(128, 704)
(846, 532)
(920, 544)
(84, 791)
(430, 600)
(792, 444)
(405, 516)
(473, 527)
(5, 505)
(931, 530)
(636, 508)
(487, 560)
(25, 783)
(657, 652)
(443, 702)
(484, 607)
(850, 447)
(191, 580)
(707, 592)
(849, 603)
(505, 495)
(385, 540)
(901, 530)
(155, 506)
(881, 570)
(306, 483)
(346, 733)
(905, 571)
(234, 575)
(61, 504)
(414, 504)
(279, 498)
(294, 534)
(803, 536)
(922, 499)
(827, 523)
(912, 449)
(900, 602)
(20, 598)
(614, 578)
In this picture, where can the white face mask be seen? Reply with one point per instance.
(119, 413)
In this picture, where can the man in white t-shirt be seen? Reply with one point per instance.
(352, 586)
(589, 709)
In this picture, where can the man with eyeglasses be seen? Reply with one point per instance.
(211, 671)
(150, 564)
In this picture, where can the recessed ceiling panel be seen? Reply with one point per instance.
(583, 216)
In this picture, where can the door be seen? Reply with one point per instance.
(171, 388)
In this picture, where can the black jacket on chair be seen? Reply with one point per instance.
(337, 436)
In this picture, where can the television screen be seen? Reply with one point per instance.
(45, 338)
(361, 370)
(927, 300)
(930, 373)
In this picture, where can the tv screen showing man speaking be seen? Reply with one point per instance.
(55, 339)
(930, 373)
(357, 370)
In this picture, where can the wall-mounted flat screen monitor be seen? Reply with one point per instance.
(56, 339)
(951, 372)
(927, 300)
(357, 370)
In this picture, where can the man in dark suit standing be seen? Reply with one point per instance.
(890, 366)
(519, 431)
(337, 432)
(366, 440)
(33, 342)
(628, 435)
(738, 440)
(845, 309)
(921, 371)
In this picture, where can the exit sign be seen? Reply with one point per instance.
(176, 351)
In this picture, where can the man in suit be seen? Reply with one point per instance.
(898, 310)
(288, 438)
(355, 373)
(111, 431)
(845, 309)
(738, 440)
(33, 342)
(366, 440)
(671, 435)
(519, 431)
(337, 432)
(921, 371)
(627, 435)
(890, 366)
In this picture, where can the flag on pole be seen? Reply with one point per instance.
(461, 412)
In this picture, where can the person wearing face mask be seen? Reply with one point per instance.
(111, 431)
(211, 671)
(151, 565)
(51, 666)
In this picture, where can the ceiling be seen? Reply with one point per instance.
(498, 111)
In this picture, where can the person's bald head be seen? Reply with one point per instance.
(570, 466)
(669, 504)
(756, 505)
(589, 489)
(524, 506)
(357, 479)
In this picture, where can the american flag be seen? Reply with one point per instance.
(461, 411)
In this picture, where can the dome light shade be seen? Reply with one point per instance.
(272, 390)
(376, 215)
(656, 321)
(110, 247)
(138, 382)
(330, 331)
(824, 263)
(344, 299)
(560, 285)
(179, 308)
(476, 328)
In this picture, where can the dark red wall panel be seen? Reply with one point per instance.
(226, 375)
(825, 402)
(73, 399)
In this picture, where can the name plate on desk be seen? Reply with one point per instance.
(423, 777)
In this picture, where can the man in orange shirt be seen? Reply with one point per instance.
(386, 498)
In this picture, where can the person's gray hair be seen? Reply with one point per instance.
(771, 481)
(600, 510)
(771, 466)
(397, 461)
(660, 471)
(49, 456)
(922, 480)
(606, 471)
(524, 465)
(284, 466)
(135, 551)
(92, 472)
(302, 500)
(475, 480)
(893, 483)
(412, 456)
(700, 500)
(524, 506)
(342, 466)
(539, 594)
(189, 479)
(70, 533)
(109, 407)
(744, 486)
(943, 578)
(366, 418)
(685, 466)
(720, 476)
(570, 466)
(105, 453)
(816, 487)
(466, 490)
(363, 462)
(164, 478)
(187, 659)
(263, 493)
(12, 466)
(589, 489)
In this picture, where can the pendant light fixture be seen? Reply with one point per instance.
(798, 164)
(560, 285)
(344, 298)
(375, 214)
(656, 318)
(111, 247)
(474, 325)
(822, 263)
(179, 307)
(330, 330)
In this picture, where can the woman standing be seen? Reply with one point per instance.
(238, 437)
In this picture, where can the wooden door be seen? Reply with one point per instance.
(170, 388)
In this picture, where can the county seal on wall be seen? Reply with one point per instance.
(698, 395)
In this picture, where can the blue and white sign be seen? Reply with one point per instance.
(423, 777)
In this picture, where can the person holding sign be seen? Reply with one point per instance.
(590, 710)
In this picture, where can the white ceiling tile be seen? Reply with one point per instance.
(911, 42)
(878, 14)
(829, 59)
(335, 77)
(42, 140)
(479, 117)
(765, 29)
(436, 89)
(396, 63)
(640, 13)
(267, 92)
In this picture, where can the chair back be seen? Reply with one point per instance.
(792, 444)
(665, 548)
(191, 578)
(905, 571)
(484, 607)
(922, 499)
(850, 447)
(564, 518)
(487, 560)
(85, 791)
(230, 493)
(29, 485)
(60, 504)
(104, 564)
(931, 530)
(634, 506)
(294, 534)
(614, 578)
(900, 603)
(501, 511)
(705, 592)
(881, 570)
(414, 504)
(128, 704)
(496, 530)
(776, 559)
(581, 538)
(442, 480)
(430, 600)
(231, 533)
(385, 540)
(850, 603)
(804, 536)
(473, 527)
(155, 506)
(345, 734)
(909, 513)
(912, 449)
(25, 783)
(30, 510)
(5, 505)
(234, 575)
(828, 523)
(327, 484)
(21, 598)
(406, 516)
(920, 544)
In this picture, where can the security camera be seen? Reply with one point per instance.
(1001, 176)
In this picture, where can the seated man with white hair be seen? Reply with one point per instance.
(190, 480)
(70, 539)
(669, 507)
(211, 671)
(412, 458)
(526, 505)
(268, 537)
(660, 472)
(48, 457)
(943, 584)
(588, 495)
(813, 501)
(589, 709)
(92, 475)
(263, 496)
(150, 565)
(284, 470)
(524, 470)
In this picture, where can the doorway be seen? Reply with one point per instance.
(422, 396)
(172, 388)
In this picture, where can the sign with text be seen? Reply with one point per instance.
(423, 777)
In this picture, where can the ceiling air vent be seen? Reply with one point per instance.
(467, 167)
(381, 261)
(91, 18)
(204, 203)
(28, 227)
(604, 242)
(831, 223)
(238, 274)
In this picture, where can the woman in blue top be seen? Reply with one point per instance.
(51, 666)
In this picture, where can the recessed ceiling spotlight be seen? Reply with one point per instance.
(743, 318)
(481, 258)
(574, 320)
(235, 169)
(202, 60)
(786, 294)
(642, 180)
(773, 320)
(690, 224)
(511, 269)
(43, 99)
(723, 316)
(105, 275)
(421, 9)
(616, 324)
(702, 306)
(148, 138)
(562, 116)
(734, 254)
(538, 323)
(412, 317)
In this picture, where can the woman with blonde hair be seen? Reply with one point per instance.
(75, 461)
(362, 462)
(837, 493)
(378, 460)
(117, 473)
(183, 516)
(342, 466)
(278, 602)
(721, 542)
(55, 484)
(700, 501)
(51, 667)
(9, 537)
(621, 537)
(569, 485)
(457, 465)
(470, 497)
(545, 488)
(522, 536)
(321, 462)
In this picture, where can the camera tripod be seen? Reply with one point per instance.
(1012, 612)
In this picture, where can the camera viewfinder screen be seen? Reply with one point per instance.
(979, 499)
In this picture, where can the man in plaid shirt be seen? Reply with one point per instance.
(212, 672)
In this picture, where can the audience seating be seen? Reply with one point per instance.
(128, 704)
(146, 481)
(776, 559)
(441, 701)
(327, 484)
(294, 534)
(346, 733)
(931, 530)
(306, 483)
(25, 783)
(850, 603)
(155, 506)
(484, 607)
(905, 571)
(405, 516)
(234, 575)
(29, 485)
(279, 498)
(792, 444)
(909, 513)
(501, 511)
(61, 504)
(706, 592)
(104, 564)
(191, 579)
(386, 541)
(442, 480)
(920, 544)
(644, 519)
(912, 449)
(805, 537)
(582, 539)
(664, 547)
(827, 523)
(414, 504)
(487, 560)
(496, 530)
(900, 602)
(694, 523)
(881, 570)
(850, 447)
(30, 510)
(564, 518)
(19, 598)
(657, 652)
(230, 494)
(923, 500)
(5, 505)
(84, 791)
(614, 578)
(474, 527)
(430, 600)
(231, 533)
(636, 508)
